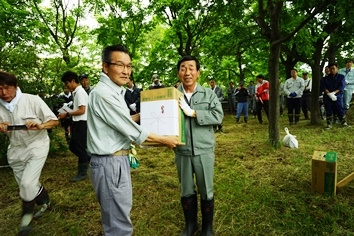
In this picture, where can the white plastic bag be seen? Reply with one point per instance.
(290, 140)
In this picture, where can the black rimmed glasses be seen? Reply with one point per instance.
(120, 66)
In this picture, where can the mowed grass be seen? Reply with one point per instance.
(258, 190)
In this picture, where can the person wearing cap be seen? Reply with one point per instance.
(242, 95)
(85, 83)
(28, 149)
(348, 73)
(306, 96)
(294, 88)
(156, 84)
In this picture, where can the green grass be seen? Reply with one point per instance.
(258, 190)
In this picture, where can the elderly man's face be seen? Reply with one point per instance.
(7, 93)
(188, 73)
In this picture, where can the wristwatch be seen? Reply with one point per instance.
(68, 115)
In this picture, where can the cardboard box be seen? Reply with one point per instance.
(160, 113)
(324, 172)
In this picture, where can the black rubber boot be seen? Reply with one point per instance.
(291, 119)
(27, 216)
(42, 200)
(237, 120)
(81, 172)
(190, 210)
(245, 119)
(297, 118)
(207, 207)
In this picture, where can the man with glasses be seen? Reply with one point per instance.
(332, 86)
(111, 131)
(79, 126)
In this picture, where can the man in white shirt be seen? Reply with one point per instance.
(306, 96)
(79, 128)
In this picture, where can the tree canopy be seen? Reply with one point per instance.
(234, 40)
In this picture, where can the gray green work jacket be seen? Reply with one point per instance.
(199, 130)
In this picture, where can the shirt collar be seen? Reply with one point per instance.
(105, 79)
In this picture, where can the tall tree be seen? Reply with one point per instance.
(61, 20)
(269, 17)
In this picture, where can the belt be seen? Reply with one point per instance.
(123, 152)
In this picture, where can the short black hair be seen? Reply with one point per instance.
(188, 58)
(349, 60)
(107, 52)
(70, 76)
(333, 64)
(8, 79)
(305, 73)
(260, 76)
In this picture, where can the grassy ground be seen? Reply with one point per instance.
(258, 190)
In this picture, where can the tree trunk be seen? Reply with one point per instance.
(316, 78)
(273, 69)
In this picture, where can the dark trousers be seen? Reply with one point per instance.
(259, 106)
(294, 104)
(334, 107)
(78, 141)
(306, 104)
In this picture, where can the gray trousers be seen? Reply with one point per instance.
(202, 167)
(110, 177)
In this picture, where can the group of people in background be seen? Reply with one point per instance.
(336, 86)
(104, 123)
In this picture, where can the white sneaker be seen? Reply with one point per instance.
(329, 127)
(42, 210)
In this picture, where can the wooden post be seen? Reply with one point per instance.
(345, 180)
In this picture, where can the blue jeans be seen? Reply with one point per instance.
(242, 106)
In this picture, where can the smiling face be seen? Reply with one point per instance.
(188, 74)
(119, 76)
